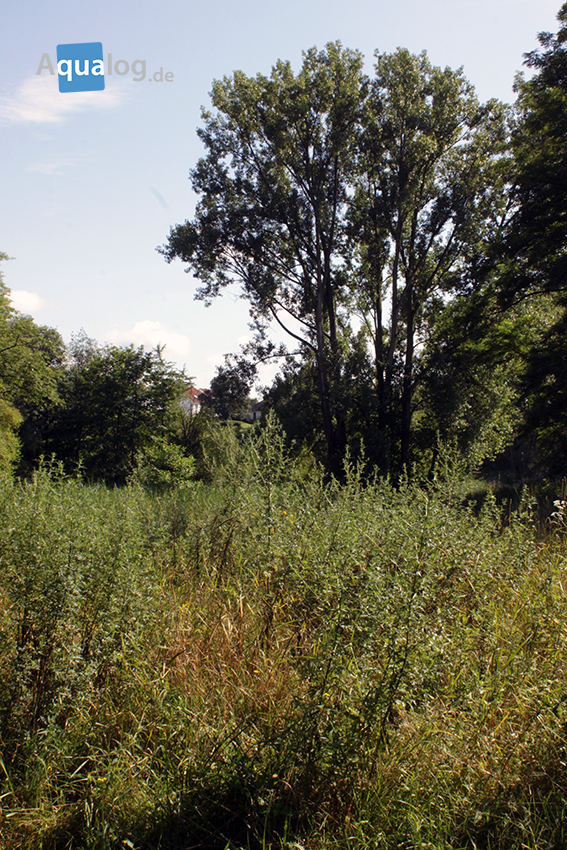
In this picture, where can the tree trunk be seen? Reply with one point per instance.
(326, 413)
(385, 414)
(408, 381)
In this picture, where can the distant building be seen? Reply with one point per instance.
(190, 400)
(254, 413)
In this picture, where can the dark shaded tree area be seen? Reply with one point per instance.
(229, 395)
(532, 253)
(533, 250)
(112, 403)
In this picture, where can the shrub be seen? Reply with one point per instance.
(163, 466)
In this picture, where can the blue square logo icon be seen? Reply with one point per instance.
(80, 67)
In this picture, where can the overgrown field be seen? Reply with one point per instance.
(268, 661)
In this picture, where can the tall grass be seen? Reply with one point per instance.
(272, 661)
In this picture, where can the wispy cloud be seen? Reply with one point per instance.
(49, 167)
(26, 302)
(55, 210)
(38, 100)
(149, 334)
(58, 166)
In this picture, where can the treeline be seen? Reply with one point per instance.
(103, 412)
(409, 239)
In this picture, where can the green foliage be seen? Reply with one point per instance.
(430, 175)
(9, 416)
(10, 420)
(114, 402)
(293, 397)
(545, 387)
(164, 466)
(30, 356)
(532, 255)
(273, 187)
(273, 660)
(327, 194)
(229, 395)
(75, 590)
(533, 250)
(470, 384)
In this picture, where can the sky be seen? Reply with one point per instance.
(90, 183)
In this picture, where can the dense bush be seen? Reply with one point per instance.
(275, 661)
(163, 466)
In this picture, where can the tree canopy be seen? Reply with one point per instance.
(274, 186)
(326, 194)
(114, 403)
(531, 256)
(533, 250)
(30, 358)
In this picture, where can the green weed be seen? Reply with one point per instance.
(272, 661)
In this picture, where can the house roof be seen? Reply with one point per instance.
(193, 393)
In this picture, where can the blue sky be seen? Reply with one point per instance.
(91, 183)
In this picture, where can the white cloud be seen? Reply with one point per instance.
(59, 166)
(38, 100)
(26, 302)
(149, 334)
(48, 167)
(51, 212)
(56, 167)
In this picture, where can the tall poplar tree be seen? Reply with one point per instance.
(324, 193)
(274, 194)
(429, 192)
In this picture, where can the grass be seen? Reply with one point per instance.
(270, 661)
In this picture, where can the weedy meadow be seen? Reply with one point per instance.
(270, 660)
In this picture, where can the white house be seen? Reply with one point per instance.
(190, 400)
